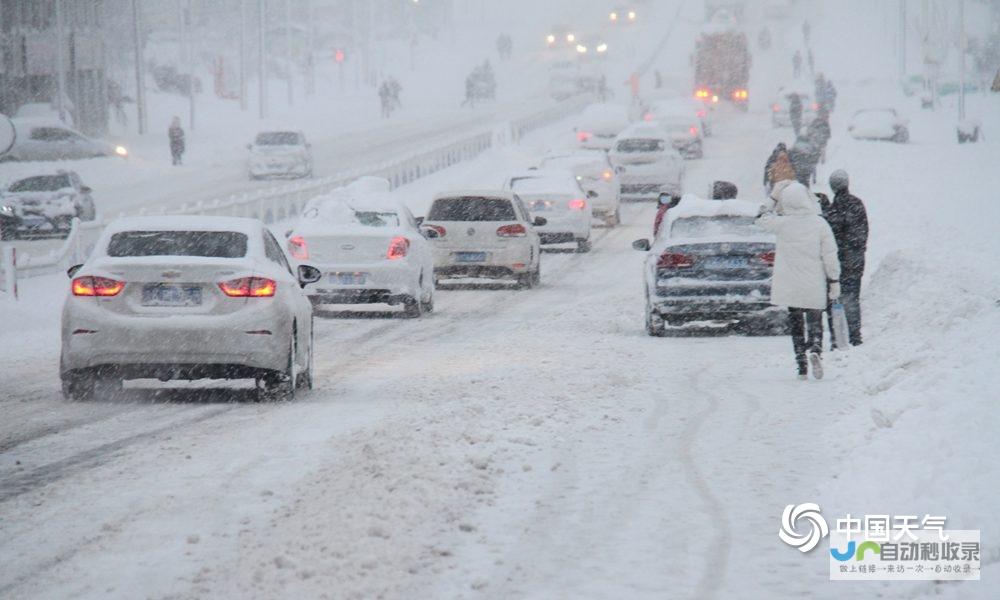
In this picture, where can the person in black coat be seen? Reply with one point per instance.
(176, 136)
(848, 219)
(804, 156)
(770, 161)
(818, 132)
(795, 112)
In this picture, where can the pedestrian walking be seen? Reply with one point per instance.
(778, 167)
(848, 220)
(385, 97)
(797, 64)
(818, 132)
(806, 272)
(810, 60)
(795, 112)
(804, 157)
(176, 136)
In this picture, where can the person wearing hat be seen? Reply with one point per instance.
(848, 219)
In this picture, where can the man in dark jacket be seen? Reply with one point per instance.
(804, 156)
(818, 132)
(849, 221)
(795, 112)
(176, 136)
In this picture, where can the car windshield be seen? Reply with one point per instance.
(640, 145)
(711, 227)
(212, 244)
(42, 183)
(470, 208)
(277, 138)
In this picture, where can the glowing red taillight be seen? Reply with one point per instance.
(577, 204)
(647, 117)
(398, 248)
(674, 260)
(583, 136)
(297, 247)
(767, 257)
(515, 230)
(97, 286)
(441, 231)
(607, 175)
(693, 130)
(249, 287)
(776, 107)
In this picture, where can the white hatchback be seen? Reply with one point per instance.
(483, 234)
(370, 249)
(647, 163)
(280, 154)
(556, 196)
(187, 298)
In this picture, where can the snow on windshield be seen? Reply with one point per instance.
(42, 183)
(714, 227)
(277, 138)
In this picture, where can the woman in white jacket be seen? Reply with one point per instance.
(806, 271)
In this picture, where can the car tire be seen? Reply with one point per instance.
(413, 308)
(536, 276)
(78, 388)
(305, 379)
(8, 231)
(583, 246)
(655, 326)
(281, 385)
(525, 281)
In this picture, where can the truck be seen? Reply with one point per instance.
(722, 62)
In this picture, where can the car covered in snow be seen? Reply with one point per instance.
(42, 139)
(684, 133)
(879, 124)
(369, 248)
(596, 176)
(192, 297)
(647, 163)
(483, 234)
(44, 205)
(280, 154)
(599, 124)
(780, 116)
(682, 107)
(710, 266)
(556, 196)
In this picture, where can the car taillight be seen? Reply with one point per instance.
(776, 107)
(577, 204)
(674, 260)
(297, 248)
(515, 230)
(249, 287)
(398, 248)
(97, 286)
(767, 257)
(441, 231)
(607, 175)
(693, 130)
(583, 136)
(647, 117)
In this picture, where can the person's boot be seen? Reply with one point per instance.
(816, 363)
(803, 370)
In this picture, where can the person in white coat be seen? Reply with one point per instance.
(806, 271)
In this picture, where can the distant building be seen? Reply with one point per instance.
(30, 33)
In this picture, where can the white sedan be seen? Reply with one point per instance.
(556, 196)
(647, 163)
(280, 154)
(879, 124)
(598, 124)
(187, 298)
(370, 249)
(684, 134)
(596, 177)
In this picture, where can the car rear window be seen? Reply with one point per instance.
(277, 138)
(709, 227)
(339, 213)
(469, 208)
(640, 145)
(211, 244)
(41, 183)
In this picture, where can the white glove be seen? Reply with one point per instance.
(834, 290)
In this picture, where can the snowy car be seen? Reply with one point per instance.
(44, 205)
(40, 139)
(684, 134)
(370, 249)
(647, 163)
(596, 177)
(556, 196)
(780, 116)
(280, 154)
(484, 234)
(187, 298)
(879, 124)
(710, 265)
(599, 124)
(682, 107)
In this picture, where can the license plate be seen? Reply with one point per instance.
(541, 205)
(470, 256)
(723, 262)
(347, 278)
(171, 295)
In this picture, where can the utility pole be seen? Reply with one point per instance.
(140, 77)
(183, 13)
(243, 55)
(288, 47)
(902, 39)
(310, 51)
(262, 58)
(60, 63)
(961, 60)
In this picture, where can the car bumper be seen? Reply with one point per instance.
(647, 187)
(714, 300)
(500, 263)
(558, 232)
(389, 282)
(279, 169)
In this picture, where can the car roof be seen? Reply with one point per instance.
(643, 130)
(185, 223)
(473, 193)
(695, 206)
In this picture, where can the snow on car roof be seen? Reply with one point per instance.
(185, 223)
(643, 130)
(544, 180)
(695, 206)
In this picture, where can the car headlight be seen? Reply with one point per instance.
(121, 151)
(6, 209)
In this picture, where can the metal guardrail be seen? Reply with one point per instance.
(282, 202)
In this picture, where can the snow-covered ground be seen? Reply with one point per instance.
(537, 444)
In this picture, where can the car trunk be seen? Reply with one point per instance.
(348, 248)
(718, 268)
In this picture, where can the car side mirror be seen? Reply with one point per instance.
(419, 220)
(288, 233)
(591, 194)
(642, 245)
(86, 189)
(308, 274)
(619, 170)
(70, 272)
(429, 232)
(540, 221)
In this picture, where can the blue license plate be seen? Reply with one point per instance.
(171, 295)
(725, 262)
(470, 256)
(347, 278)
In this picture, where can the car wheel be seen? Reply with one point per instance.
(583, 246)
(281, 385)
(525, 281)
(413, 308)
(78, 388)
(305, 379)
(8, 231)
(536, 276)
(655, 326)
